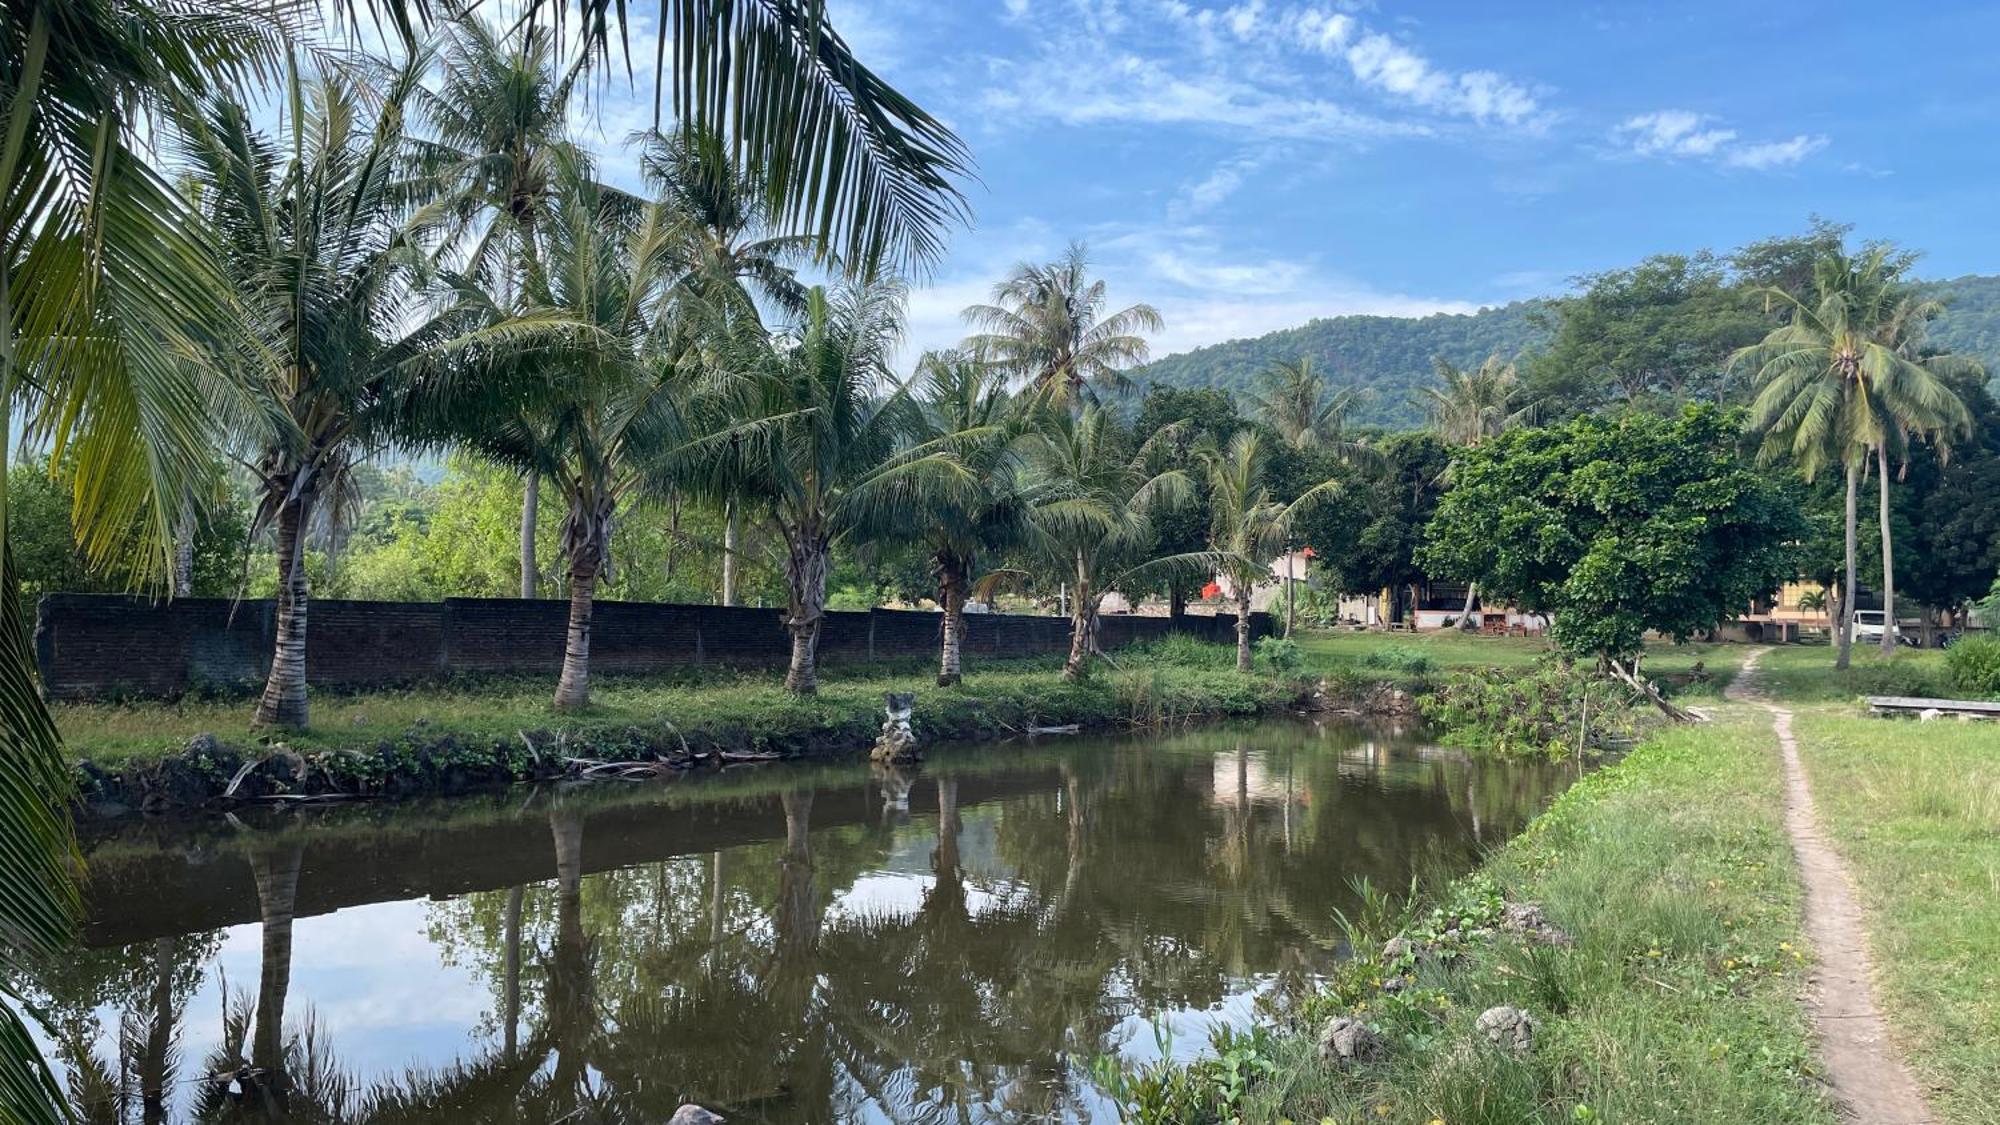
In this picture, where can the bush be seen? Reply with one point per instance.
(1974, 665)
(1280, 654)
(1538, 713)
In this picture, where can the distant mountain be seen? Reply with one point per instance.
(1391, 355)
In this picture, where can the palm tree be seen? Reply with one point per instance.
(1470, 407)
(105, 275)
(1834, 386)
(1247, 524)
(728, 257)
(312, 230)
(1916, 402)
(1047, 326)
(496, 119)
(967, 414)
(578, 389)
(1092, 507)
(823, 459)
(1293, 400)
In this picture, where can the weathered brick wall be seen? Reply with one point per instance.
(94, 646)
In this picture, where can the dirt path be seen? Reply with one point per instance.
(1862, 1066)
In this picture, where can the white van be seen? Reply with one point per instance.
(1868, 625)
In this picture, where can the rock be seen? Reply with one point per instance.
(1395, 984)
(1397, 948)
(692, 1114)
(203, 745)
(1525, 920)
(1508, 1027)
(1348, 1041)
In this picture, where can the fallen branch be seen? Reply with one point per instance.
(1645, 687)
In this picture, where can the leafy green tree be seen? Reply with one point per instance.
(1047, 326)
(1656, 334)
(1247, 525)
(1094, 501)
(1616, 527)
(1367, 534)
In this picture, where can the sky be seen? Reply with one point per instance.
(1249, 166)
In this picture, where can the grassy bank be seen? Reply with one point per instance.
(1450, 650)
(1805, 673)
(448, 738)
(1915, 811)
(1676, 1003)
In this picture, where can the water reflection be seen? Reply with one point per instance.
(805, 945)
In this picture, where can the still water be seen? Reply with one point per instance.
(782, 944)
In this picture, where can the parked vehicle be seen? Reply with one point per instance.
(1868, 625)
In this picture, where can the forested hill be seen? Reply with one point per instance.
(1392, 355)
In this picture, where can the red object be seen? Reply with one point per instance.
(1211, 591)
(1308, 553)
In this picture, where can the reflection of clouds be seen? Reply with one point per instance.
(897, 894)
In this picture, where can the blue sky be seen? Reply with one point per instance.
(1247, 166)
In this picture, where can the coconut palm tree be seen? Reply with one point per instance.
(494, 122)
(1834, 386)
(312, 230)
(966, 413)
(1091, 514)
(1247, 524)
(1047, 327)
(1293, 399)
(577, 386)
(827, 455)
(1468, 408)
(730, 257)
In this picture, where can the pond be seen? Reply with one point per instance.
(782, 944)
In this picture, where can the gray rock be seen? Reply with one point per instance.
(1526, 920)
(1508, 1027)
(691, 1114)
(1397, 948)
(1347, 1041)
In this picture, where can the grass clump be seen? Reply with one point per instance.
(1675, 1002)
(1974, 665)
(1915, 810)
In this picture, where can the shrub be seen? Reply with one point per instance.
(1538, 713)
(1280, 654)
(1974, 665)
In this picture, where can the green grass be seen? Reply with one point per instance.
(1678, 1002)
(750, 708)
(1805, 673)
(1449, 650)
(1914, 808)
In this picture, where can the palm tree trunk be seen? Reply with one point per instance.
(805, 572)
(1847, 599)
(159, 1042)
(729, 552)
(184, 529)
(951, 597)
(573, 690)
(1888, 556)
(1465, 622)
(284, 701)
(1243, 626)
(531, 502)
(1083, 609)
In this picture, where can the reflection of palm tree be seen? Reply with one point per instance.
(571, 1003)
(156, 1054)
(797, 910)
(276, 871)
(510, 987)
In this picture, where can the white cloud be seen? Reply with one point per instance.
(1775, 154)
(1680, 133)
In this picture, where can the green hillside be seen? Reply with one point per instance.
(1392, 355)
(1389, 354)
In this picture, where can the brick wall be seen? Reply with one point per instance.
(101, 645)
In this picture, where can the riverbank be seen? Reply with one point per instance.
(445, 740)
(1666, 991)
